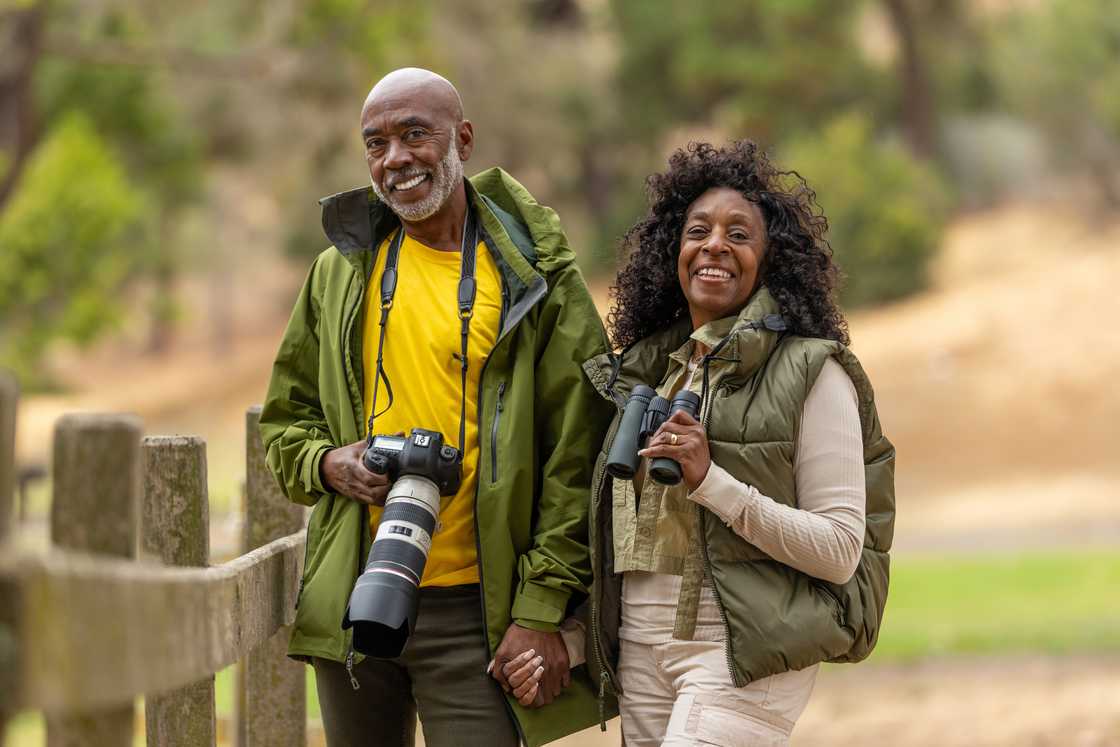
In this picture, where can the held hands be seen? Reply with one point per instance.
(690, 449)
(524, 677)
(533, 684)
(343, 472)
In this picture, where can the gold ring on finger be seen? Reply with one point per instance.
(673, 439)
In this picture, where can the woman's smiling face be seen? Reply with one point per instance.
(722, 246)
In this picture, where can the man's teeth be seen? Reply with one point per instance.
(712, 272)
(402, 186)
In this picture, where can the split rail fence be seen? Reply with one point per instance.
(125, 604)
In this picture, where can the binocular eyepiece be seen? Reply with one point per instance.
(644, 413)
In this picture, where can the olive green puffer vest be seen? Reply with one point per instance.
(778, 619)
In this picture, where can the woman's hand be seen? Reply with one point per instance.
(524, 673)
(690, 449)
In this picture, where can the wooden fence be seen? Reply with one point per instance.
(125, 604)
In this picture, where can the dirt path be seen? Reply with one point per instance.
(1000, 702)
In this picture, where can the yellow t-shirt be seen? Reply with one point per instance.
(422, 345)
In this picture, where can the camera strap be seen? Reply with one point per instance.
(468, 288)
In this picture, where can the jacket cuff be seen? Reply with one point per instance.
(722, 494)
(312, 478)
(539, 607)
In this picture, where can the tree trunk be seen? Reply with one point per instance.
(21, 37)
(918, 106)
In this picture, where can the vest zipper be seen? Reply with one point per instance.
(607, 677)
(707, 417)
(494, 434)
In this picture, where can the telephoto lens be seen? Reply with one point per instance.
(663, 469)
(622, 461)
(384, 602)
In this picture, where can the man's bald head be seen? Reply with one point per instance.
(416, 142)
(417, 86)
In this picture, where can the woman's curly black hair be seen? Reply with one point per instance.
(797, 266)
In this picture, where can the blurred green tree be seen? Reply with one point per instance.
(72, 234)
(886, 208)
(767, 67)
(1059, 65)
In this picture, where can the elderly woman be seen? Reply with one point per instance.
(716, 599)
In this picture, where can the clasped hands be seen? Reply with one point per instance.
(531, 665)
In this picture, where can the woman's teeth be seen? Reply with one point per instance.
(712, 272)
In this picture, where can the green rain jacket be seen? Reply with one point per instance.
(540, 426)
(777, 618)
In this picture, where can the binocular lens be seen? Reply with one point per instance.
(663, 469)
(622, 461)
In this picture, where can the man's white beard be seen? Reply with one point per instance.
(446, 176)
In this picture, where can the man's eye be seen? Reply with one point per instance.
(414, 133)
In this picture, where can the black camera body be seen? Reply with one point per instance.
(422, 453)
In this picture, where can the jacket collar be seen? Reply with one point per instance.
(744, 341)
(524, 237)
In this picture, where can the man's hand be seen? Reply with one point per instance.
(554, 659)
(343, 472)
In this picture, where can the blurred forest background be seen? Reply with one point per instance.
(160, 165)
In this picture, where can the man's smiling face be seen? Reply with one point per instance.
(412, 147)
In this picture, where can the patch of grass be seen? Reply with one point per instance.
(1054, 602)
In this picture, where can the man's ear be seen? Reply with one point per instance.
(465, 142)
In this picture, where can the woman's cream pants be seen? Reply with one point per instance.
(680, 693)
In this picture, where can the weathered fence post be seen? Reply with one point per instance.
(275, 698)
(176, 529)
(9, 401)
(95, 508)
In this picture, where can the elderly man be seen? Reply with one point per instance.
(510, 559)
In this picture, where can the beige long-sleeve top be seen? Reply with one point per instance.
(822, 536)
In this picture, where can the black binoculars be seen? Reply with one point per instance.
(644, 413)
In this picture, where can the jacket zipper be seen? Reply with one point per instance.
(494, 434)
(477, 486)
(306, 552)
(708, 561)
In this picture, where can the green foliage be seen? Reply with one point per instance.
(72, 238)
(1059, 66)
(762, 69)
(1067, 52)
(349, 26)
(129, 108)
(886, 210)
(1048, 602)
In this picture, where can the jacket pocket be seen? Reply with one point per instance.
(494, 433)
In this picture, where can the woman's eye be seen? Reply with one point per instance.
(697, 231)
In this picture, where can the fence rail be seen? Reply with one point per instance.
(123, 604)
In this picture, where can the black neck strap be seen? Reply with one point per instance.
(467, 291)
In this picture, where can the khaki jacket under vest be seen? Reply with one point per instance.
(778, 618)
